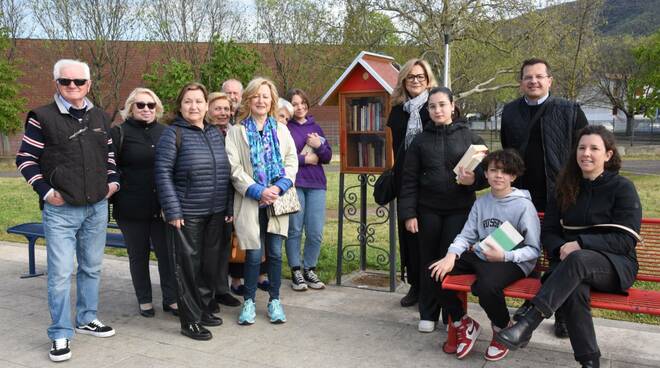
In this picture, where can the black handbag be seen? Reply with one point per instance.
(385, 187)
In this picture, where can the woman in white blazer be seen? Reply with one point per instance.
(264, 163)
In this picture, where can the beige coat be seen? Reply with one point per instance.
(246, 210)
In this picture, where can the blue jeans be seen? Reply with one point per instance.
(80, 231)
(311, 217)
(273, 245)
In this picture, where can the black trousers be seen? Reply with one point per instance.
(197, 249)
(569, 287)
(436, 232)
(492, 278)
(140, 236)
(409, 253)
(221, 281)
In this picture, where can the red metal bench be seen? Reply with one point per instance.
(637, 300)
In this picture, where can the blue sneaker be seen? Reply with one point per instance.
(276, 312)
(247, 313)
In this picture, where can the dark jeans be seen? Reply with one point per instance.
(569, 287)
(409, 253)
(436, 232)
(272, 245)
(196, 247)
(492, 278)
(140, 236)
(221, 281)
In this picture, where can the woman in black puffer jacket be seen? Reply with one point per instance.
(136, 206)
(432, 201)
(192, 176)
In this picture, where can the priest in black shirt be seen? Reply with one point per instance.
(542, 129)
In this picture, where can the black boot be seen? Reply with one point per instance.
(519, 334)
(561, 331)
(517, 315)
(196, 331)
(411, 298)
(591, 364)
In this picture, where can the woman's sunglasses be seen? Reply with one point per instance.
(141, 105)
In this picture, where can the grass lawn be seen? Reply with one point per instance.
(18, 204)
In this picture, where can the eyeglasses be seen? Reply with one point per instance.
(529, 78)
(141, 105)
(66, 82)
(420, 77)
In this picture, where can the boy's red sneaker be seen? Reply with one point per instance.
(468, 332)
(495, 351)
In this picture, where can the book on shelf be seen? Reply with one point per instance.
(366, 115)
(471, 158)
(370, 154)
(505, 236)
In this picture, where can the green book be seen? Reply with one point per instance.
(506, 237)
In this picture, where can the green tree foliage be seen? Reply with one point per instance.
(229, 60)
(11, 104)
(647, 55)
(167, 79)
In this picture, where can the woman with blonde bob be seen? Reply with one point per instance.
(264, 164)
(136, 207)
(407, 117)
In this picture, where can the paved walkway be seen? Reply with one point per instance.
(338, 327)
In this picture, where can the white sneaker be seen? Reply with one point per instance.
(425, 326)
(60, 350)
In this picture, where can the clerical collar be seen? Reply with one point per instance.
(538, 102)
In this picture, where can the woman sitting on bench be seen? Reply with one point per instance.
(591, 229)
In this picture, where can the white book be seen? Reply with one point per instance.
(506, 237)
(471, 158)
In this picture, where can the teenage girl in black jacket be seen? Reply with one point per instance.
(432, 201)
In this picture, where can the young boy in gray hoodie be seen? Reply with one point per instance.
(494, 268)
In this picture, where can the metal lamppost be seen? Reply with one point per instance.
(447, 81)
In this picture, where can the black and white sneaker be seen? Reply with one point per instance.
(312, 279)
(60, 350)
(96, 328)
(298, 281)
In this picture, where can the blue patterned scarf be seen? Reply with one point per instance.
(267, 164)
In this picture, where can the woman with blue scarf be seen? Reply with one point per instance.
(264, 163)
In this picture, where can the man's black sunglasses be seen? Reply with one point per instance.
(141, 105)
(66, 81)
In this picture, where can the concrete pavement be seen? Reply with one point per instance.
(337, 327)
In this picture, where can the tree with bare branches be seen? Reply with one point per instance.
(90, 30)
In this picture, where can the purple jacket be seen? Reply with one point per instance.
(309, 176)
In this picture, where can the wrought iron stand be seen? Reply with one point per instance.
(353, 208)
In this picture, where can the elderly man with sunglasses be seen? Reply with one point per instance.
(67, 156)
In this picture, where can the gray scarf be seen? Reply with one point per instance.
(412, 107)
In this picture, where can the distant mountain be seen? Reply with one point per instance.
(633, 17)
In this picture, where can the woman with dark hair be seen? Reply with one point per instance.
(433, 201)
(406, 120)
(136, 206)
(311, 185)
(590, 231)
(192, 176)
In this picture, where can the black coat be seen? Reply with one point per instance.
(428, 177)
(610, 199)
(398, 123)
(193, 180)
(137, 199)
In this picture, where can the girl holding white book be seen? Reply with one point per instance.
(433, 202)
(474, 251)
